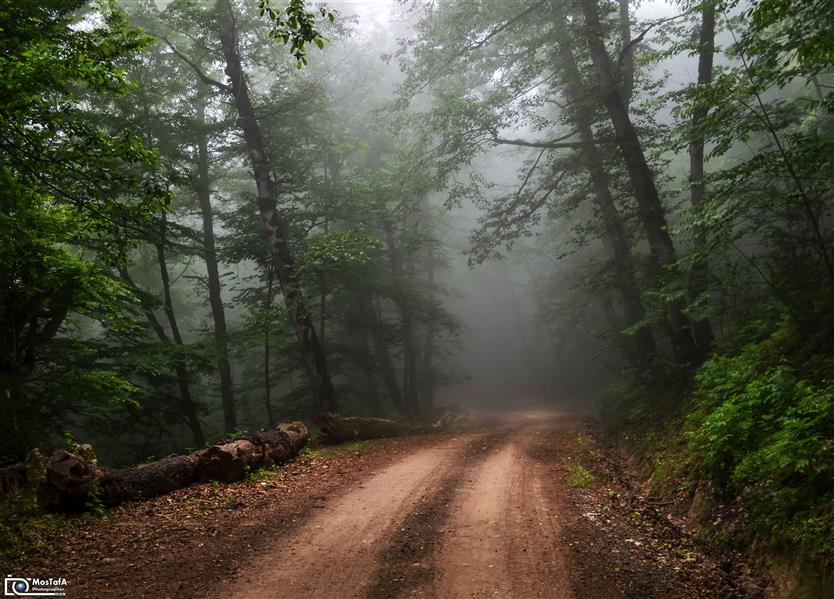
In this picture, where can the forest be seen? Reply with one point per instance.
(412, 218)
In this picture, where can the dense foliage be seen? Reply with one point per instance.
(70, 189)
(761, 430)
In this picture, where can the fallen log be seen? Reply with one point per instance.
(68, 482)
(338, 429)
(148, 480)
(74, 482)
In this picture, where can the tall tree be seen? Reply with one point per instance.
(650, 208)
(615, 234)
(315, 361)
(187, 403)
(218, 312)
(699, 273)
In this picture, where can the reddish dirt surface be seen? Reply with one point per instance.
(527, 507)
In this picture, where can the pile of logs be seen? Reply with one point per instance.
(73, 481)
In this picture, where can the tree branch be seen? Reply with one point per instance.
(203, 77)
(628, 47)
(501, 28)
(553, 144)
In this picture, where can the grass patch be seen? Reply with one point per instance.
(25, 529)
(265, 475)
(580, 477)
(313, 450)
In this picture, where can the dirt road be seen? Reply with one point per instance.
(474, 516)
(525, 507)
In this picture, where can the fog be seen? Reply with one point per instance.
(419, 206)
(529, 333)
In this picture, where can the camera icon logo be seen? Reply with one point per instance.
(15, 587)
(34, 587)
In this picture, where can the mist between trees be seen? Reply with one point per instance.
(219, 214)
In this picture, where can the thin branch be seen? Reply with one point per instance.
(822, 248)
(203, 77)
(501, 28)
(447, 64)
(529, 174)
(646, 31)
(553, 144)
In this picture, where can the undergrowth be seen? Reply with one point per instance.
(755, 422)
(25, 528)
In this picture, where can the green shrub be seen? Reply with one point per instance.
(764, 433)
(580, 477)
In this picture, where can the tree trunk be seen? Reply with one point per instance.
(180, 367)
(407, 321)
(374, 326)
(699, 275)
(625, 278)
(215, 298)
(366, 364)
(312, 353)
(19, 436)
(427, 380)
(650, 208)
(74, 481)
(28, 326)
(627, 67)
(323, 298)
(267, 376)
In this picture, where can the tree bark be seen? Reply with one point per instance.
(650, 209)
(366, 364)
(313, 357)
(427, 379)
(218, 312)
(74, 481)
(699, 275)
(625, 277)
(27, 326)
(19, 436)
(267, 376)
(323, 297)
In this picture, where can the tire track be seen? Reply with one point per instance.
(337, 552)
(408, 562)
